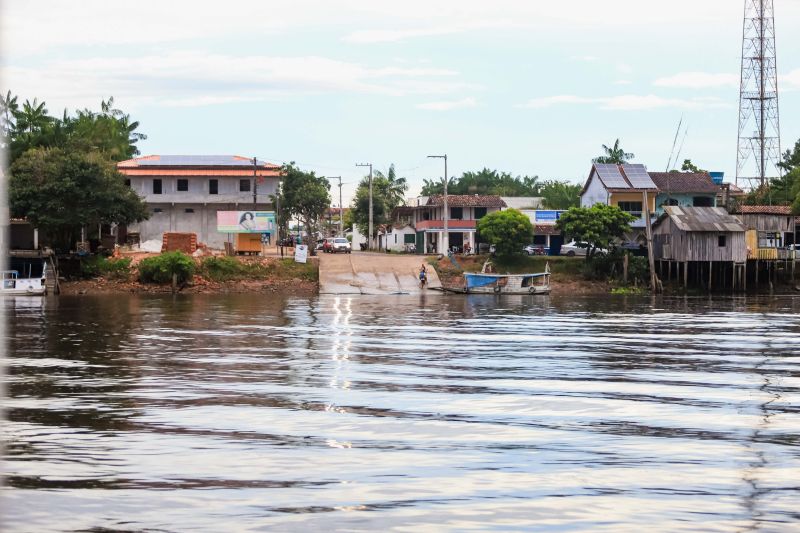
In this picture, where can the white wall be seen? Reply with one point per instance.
(595, 193)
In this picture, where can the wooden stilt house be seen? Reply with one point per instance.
(702, 246)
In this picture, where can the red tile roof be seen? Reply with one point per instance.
(684, 182)
(765, 209)
(467, 200)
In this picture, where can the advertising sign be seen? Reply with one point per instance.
(547, 216)
(301, 253)
(246, 222)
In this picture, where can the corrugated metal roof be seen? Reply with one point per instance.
(704, 219)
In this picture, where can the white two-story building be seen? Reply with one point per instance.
(184, 193)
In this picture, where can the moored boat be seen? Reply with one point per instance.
(485, 283)
(28, 278)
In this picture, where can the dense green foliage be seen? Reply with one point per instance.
(97, 265)
(303, 195)
(109, 133)
(509, 231)
(609, 267)
(484, 181)
(614, 154)
(783, 190)
(388, 192)
(60, 191)
(594, 227)
(160, 268)
(560, 194)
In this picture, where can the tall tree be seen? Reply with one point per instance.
(560, 194)
(60, 191)
(508, 230)
(791, 158)
(485, 181)
(614, 155)
(306, 196)
(8, 112)
(595, 227)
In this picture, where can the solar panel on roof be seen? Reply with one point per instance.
(638, 177)
(611, 177)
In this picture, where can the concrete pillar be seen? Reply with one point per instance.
(35, 238)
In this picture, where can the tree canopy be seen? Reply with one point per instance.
(485, 181)
(388, 192)
(559, 194)
(60, 191)
(508, 230)
(109, 132)
(304, 195)
(594, 227)
(614, 155)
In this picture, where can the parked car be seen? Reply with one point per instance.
(535, 249)
(340, 244)
(320, 244)
(327, 245)
(572, 249)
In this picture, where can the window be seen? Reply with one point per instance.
(127, 183)
(703, 201)
(409, 238)
(157, 210)
(395, 238)
(188, 210)
(213, 186)
(183, 185)
(480, 212)
(672, 201)
(426, 215)
(244, 185)
(157, 186)
(721, 241)
(456, 213)
(634, 208)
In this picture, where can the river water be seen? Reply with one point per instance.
(264, 413)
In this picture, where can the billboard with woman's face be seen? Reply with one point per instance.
(246, 222)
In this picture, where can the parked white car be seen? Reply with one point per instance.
(572, 249)
(340, 245)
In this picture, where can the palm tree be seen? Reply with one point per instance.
(614, 155)
(394, 188)
(33, 117)
(9, 108)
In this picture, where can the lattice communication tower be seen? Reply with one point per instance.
(759, 149)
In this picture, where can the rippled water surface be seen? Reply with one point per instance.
(243, 413)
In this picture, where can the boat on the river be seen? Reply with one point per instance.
(490, 283)
(27, 277)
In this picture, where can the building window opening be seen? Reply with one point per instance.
(127, 183)
(722, 241)
(244, 185)
(480, 212)
(702, 201)
(157, 210)
(183, 185)
(188, 210)
(456, 213)
(213, 186)
(634, 208)
(156, 186)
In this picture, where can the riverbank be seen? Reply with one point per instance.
(250, 275)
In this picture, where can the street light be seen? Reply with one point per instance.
(446, 240)
(369, 237)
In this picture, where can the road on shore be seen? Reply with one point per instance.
(373, 273)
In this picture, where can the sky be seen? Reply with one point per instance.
(530, 88)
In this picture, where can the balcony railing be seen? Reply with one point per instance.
(771, 254)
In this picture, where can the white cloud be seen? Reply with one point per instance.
(195, 78)
(790, 80)
(449, 105)
(699, 80)
(628, 102)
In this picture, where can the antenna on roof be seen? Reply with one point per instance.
(674, 142)
(680, 148)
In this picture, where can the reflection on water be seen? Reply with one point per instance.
(243, 413)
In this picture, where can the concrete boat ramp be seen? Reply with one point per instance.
(373, 273)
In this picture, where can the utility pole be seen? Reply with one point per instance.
(369, 237)
(445, 245)
(255, 185)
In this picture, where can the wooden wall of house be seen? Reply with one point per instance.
(782, 223)
(670, 243)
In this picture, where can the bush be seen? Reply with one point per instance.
(159, 269)
(96, 266)
(509, 231)
(609, 266)
(222, 268)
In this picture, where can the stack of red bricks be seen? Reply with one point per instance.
(179, 242)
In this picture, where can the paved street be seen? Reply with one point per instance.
(372, 273)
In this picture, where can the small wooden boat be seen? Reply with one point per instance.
(484, 283)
